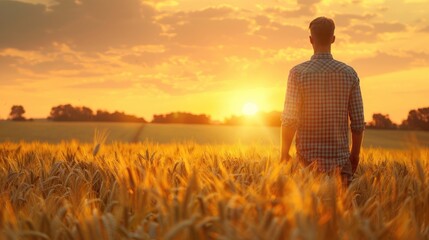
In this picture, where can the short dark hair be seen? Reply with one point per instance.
(322, 29)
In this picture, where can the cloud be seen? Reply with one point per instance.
(369, 32)
(290, 13)
(146, 59)
(227, 26)
(366, 27)
(305, 8)
(60, 61)
(207, 27)
(90, 25)
(103, 24)
(386, 27)
(7, 61)
(165, 87)
(192, 51)
(382, 62)
(221, 11)
(104, 84)
(211, 31)
(8, 69)
(346, 19)
(425, 29)
(135, 44)
(47, 67)
(276, 35)
(262, 20)
(361, 33)
(23, 25)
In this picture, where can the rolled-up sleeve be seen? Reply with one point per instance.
(292, 101)
(357, 121)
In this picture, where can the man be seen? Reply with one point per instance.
(322, 94)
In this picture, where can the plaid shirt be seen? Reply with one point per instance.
(321, 95)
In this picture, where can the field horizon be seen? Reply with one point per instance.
(55, 132)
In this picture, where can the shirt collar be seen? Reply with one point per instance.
(322, 56)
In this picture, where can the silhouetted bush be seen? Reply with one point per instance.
(69, 113)
(16, 113)
(417, 120)
(181, 117)
(380, 121)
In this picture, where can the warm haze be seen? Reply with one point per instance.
(213, 57)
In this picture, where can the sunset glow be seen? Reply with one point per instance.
(250, 108)
(151, 57)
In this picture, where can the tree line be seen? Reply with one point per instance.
(182, 117)
(69, 113)
(417, 119)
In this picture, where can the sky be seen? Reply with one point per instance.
(203, 56)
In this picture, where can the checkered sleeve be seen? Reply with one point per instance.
(357, 122)
(292, 101)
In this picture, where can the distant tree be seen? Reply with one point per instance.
(104, 116)
(380, 121)
(16, 113)
(181, 117)
(417, 119)
(69, 113)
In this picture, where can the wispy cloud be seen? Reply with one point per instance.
(382, 62)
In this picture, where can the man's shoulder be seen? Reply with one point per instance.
(334, 66)
(343, 67)
(300, 67)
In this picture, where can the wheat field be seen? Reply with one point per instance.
(73, 190)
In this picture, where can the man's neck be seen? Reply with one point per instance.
(322, 49)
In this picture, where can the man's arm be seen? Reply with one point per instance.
(287, 134)
(355, 152)
(357, 123)
(290, 115)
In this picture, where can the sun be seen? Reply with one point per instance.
(250, 108)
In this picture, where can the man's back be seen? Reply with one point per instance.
(322, 94)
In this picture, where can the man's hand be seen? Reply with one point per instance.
(354, 153)
(354, 159)
(285, 158)
(287, 134)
